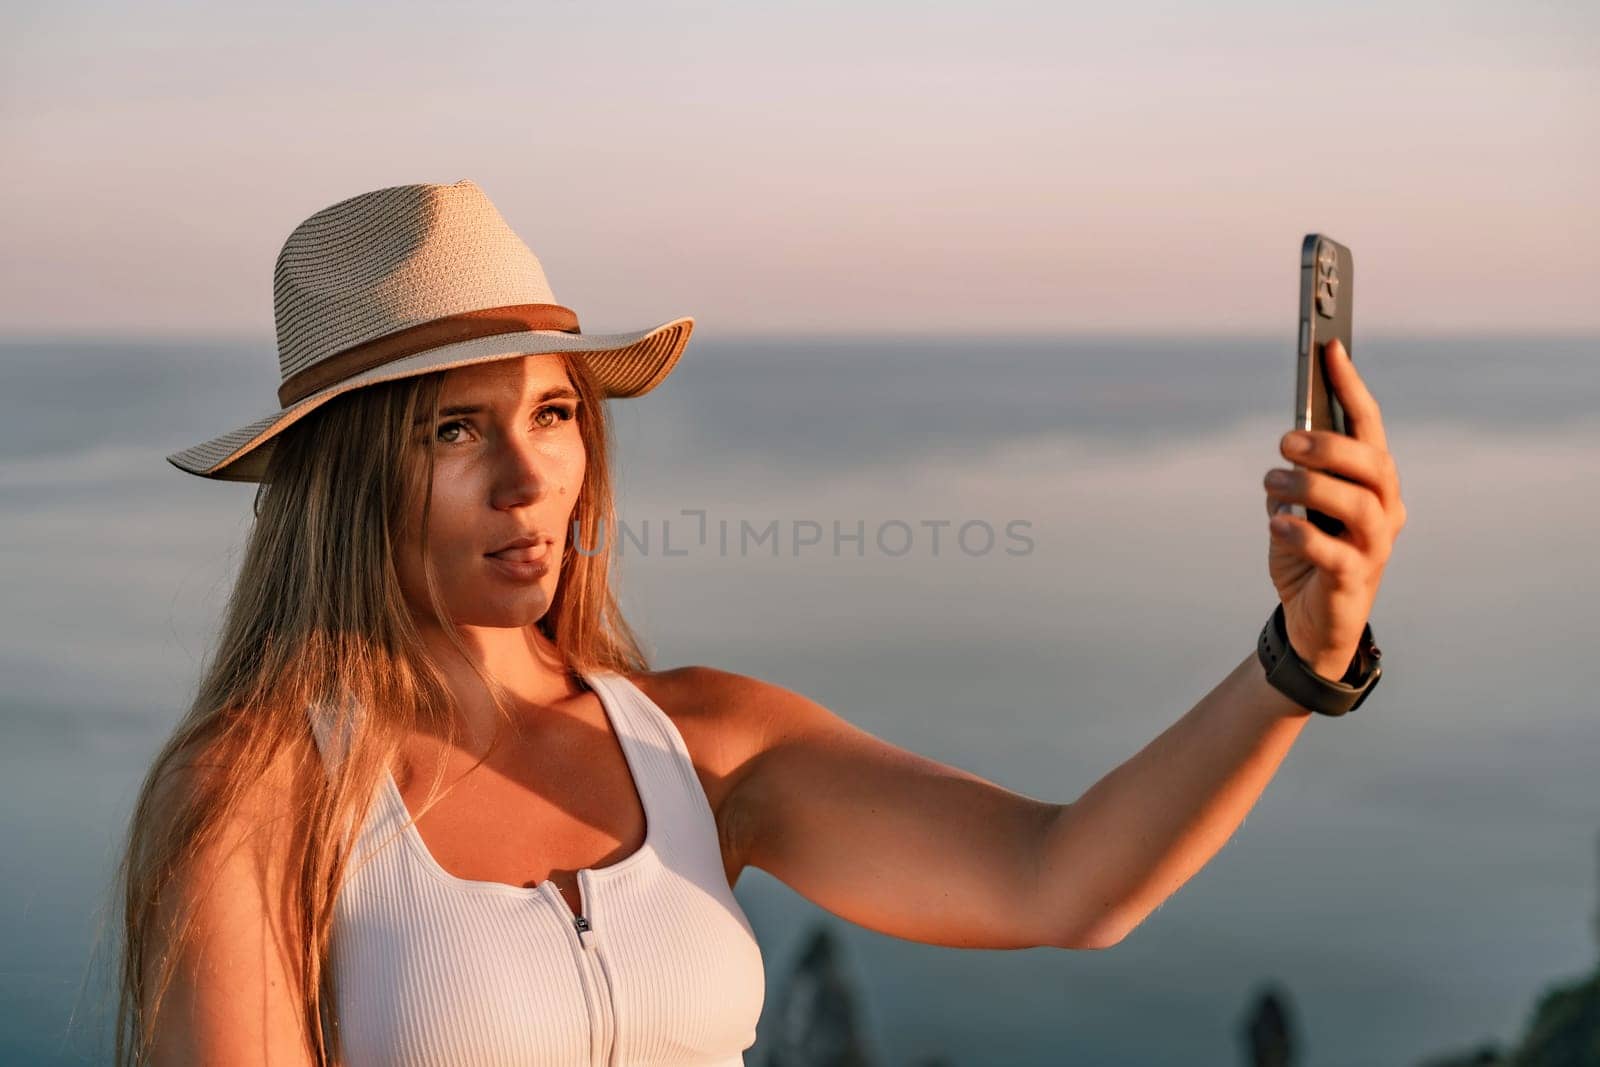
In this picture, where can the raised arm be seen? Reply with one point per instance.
(1138, 834)
(910, 847)
(883, 837)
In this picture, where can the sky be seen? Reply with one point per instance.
(821, 168)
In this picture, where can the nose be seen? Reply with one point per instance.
(521, 474)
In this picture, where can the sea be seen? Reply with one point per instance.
(1023, 556)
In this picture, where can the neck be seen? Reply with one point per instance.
(522, 659)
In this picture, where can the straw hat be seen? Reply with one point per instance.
(406, 280)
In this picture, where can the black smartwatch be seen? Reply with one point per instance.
(1289, 674)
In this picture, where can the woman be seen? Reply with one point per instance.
(431, 805)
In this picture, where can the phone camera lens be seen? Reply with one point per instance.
(1327, 281)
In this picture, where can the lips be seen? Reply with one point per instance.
(519, 555)
(522, 550)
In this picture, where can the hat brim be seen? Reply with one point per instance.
(627, 365)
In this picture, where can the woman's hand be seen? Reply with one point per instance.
(1328, 584)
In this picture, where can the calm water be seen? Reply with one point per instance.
(1414, 875)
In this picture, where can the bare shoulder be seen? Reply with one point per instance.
(251, 830)
(696, 690)
(713, 711)
(249, 816)
(736, 727)
(208, 768)
(727, 721)
(232, 995)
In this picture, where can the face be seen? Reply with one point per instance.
(508, 464)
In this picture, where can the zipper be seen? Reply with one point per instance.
(594, 957)
(593, 973)
(608, 1002)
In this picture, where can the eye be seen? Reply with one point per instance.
(563, 413)
(446, 427)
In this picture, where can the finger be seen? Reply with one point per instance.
(1276, 506)
(1354, 505)
(1337, 559)
(1349, 459)
(1361, 409)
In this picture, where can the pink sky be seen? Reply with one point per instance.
(877, 167)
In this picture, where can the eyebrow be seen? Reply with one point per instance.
(558, 392)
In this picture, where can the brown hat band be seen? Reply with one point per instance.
(435, 333)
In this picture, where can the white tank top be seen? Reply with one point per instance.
(662, 968)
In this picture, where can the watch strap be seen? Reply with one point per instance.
(1290, 675)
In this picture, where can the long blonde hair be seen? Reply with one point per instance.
(316, 620)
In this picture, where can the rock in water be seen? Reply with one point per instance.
(818, 1022)
(1269, 1030)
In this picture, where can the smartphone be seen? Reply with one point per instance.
(1327, 291)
